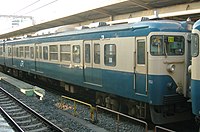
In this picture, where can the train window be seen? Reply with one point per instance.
(167, 45)
(27, 53)
(40, 52)
(9, 51)
(157, 47)
(17, 51)
(97, 53)
(174, 45)
(14, 51)
(87, 53)
(53, 52)
(65, 52)
(110, 55)
(195, 45)
(76, 54)
(21, 51)
(1, 50)
(36, 52)
(32, 52)
(45, 52)
(140, 51)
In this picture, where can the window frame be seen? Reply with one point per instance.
(144, 52)
(97, 54)
(10, 51)
(45, 55)
(1, 50)
(74, 56)
(67, 52)
(87, 53)
(21, 51)
(110, 55)
(53, 53)
(27, 52)
(32, 54)
(192, 45)
(164, 46)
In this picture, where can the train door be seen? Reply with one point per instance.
(92, 63)
(38, 56)
(141, 66)
(12, 52)
(8, 55)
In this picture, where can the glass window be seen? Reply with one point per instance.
(157, 47)
(9, 51)
(140, 52)
(40, 52)
(17, 52)
(36, 52)
(76, 54)
(97, 53)
(87, 53)
(27, 52)
(195, 45)
(32, 52)
(1, 50)
(65, 48)
(174, 45)
(21, 51)
(65, 52)
(167, 45)
(110, 54)
(14, 51)
(53, 52)
(45, 52)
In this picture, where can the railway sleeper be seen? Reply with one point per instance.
(32, 126)
(26, 121)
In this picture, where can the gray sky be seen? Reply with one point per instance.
(44, 10)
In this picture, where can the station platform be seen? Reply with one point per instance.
(4, 126)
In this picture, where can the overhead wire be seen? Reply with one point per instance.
(41, 6)
(27, 6)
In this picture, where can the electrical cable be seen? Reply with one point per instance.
(41, 6)
(27, 6)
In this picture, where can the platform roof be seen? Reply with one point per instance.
(122, 7)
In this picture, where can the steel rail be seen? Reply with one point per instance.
(38, 116)
(11, 121)
(162, 128)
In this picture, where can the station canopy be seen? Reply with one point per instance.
(122, 7)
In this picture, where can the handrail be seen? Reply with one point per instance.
(92, 109)
(118, 113)
(162, 128)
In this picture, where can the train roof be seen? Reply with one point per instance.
(197, 25)
(142, 28)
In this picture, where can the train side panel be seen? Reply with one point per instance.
(195, 74)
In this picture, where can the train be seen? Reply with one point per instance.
(139, 68)
(195, 75)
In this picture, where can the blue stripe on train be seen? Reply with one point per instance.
(109, 81)
(197, 25)
(195, 88)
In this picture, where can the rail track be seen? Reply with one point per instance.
(22, 117)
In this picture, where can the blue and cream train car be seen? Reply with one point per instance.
(195, 74)
(141, 66)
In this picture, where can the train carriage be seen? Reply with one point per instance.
(195, 75)
(142, 66)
